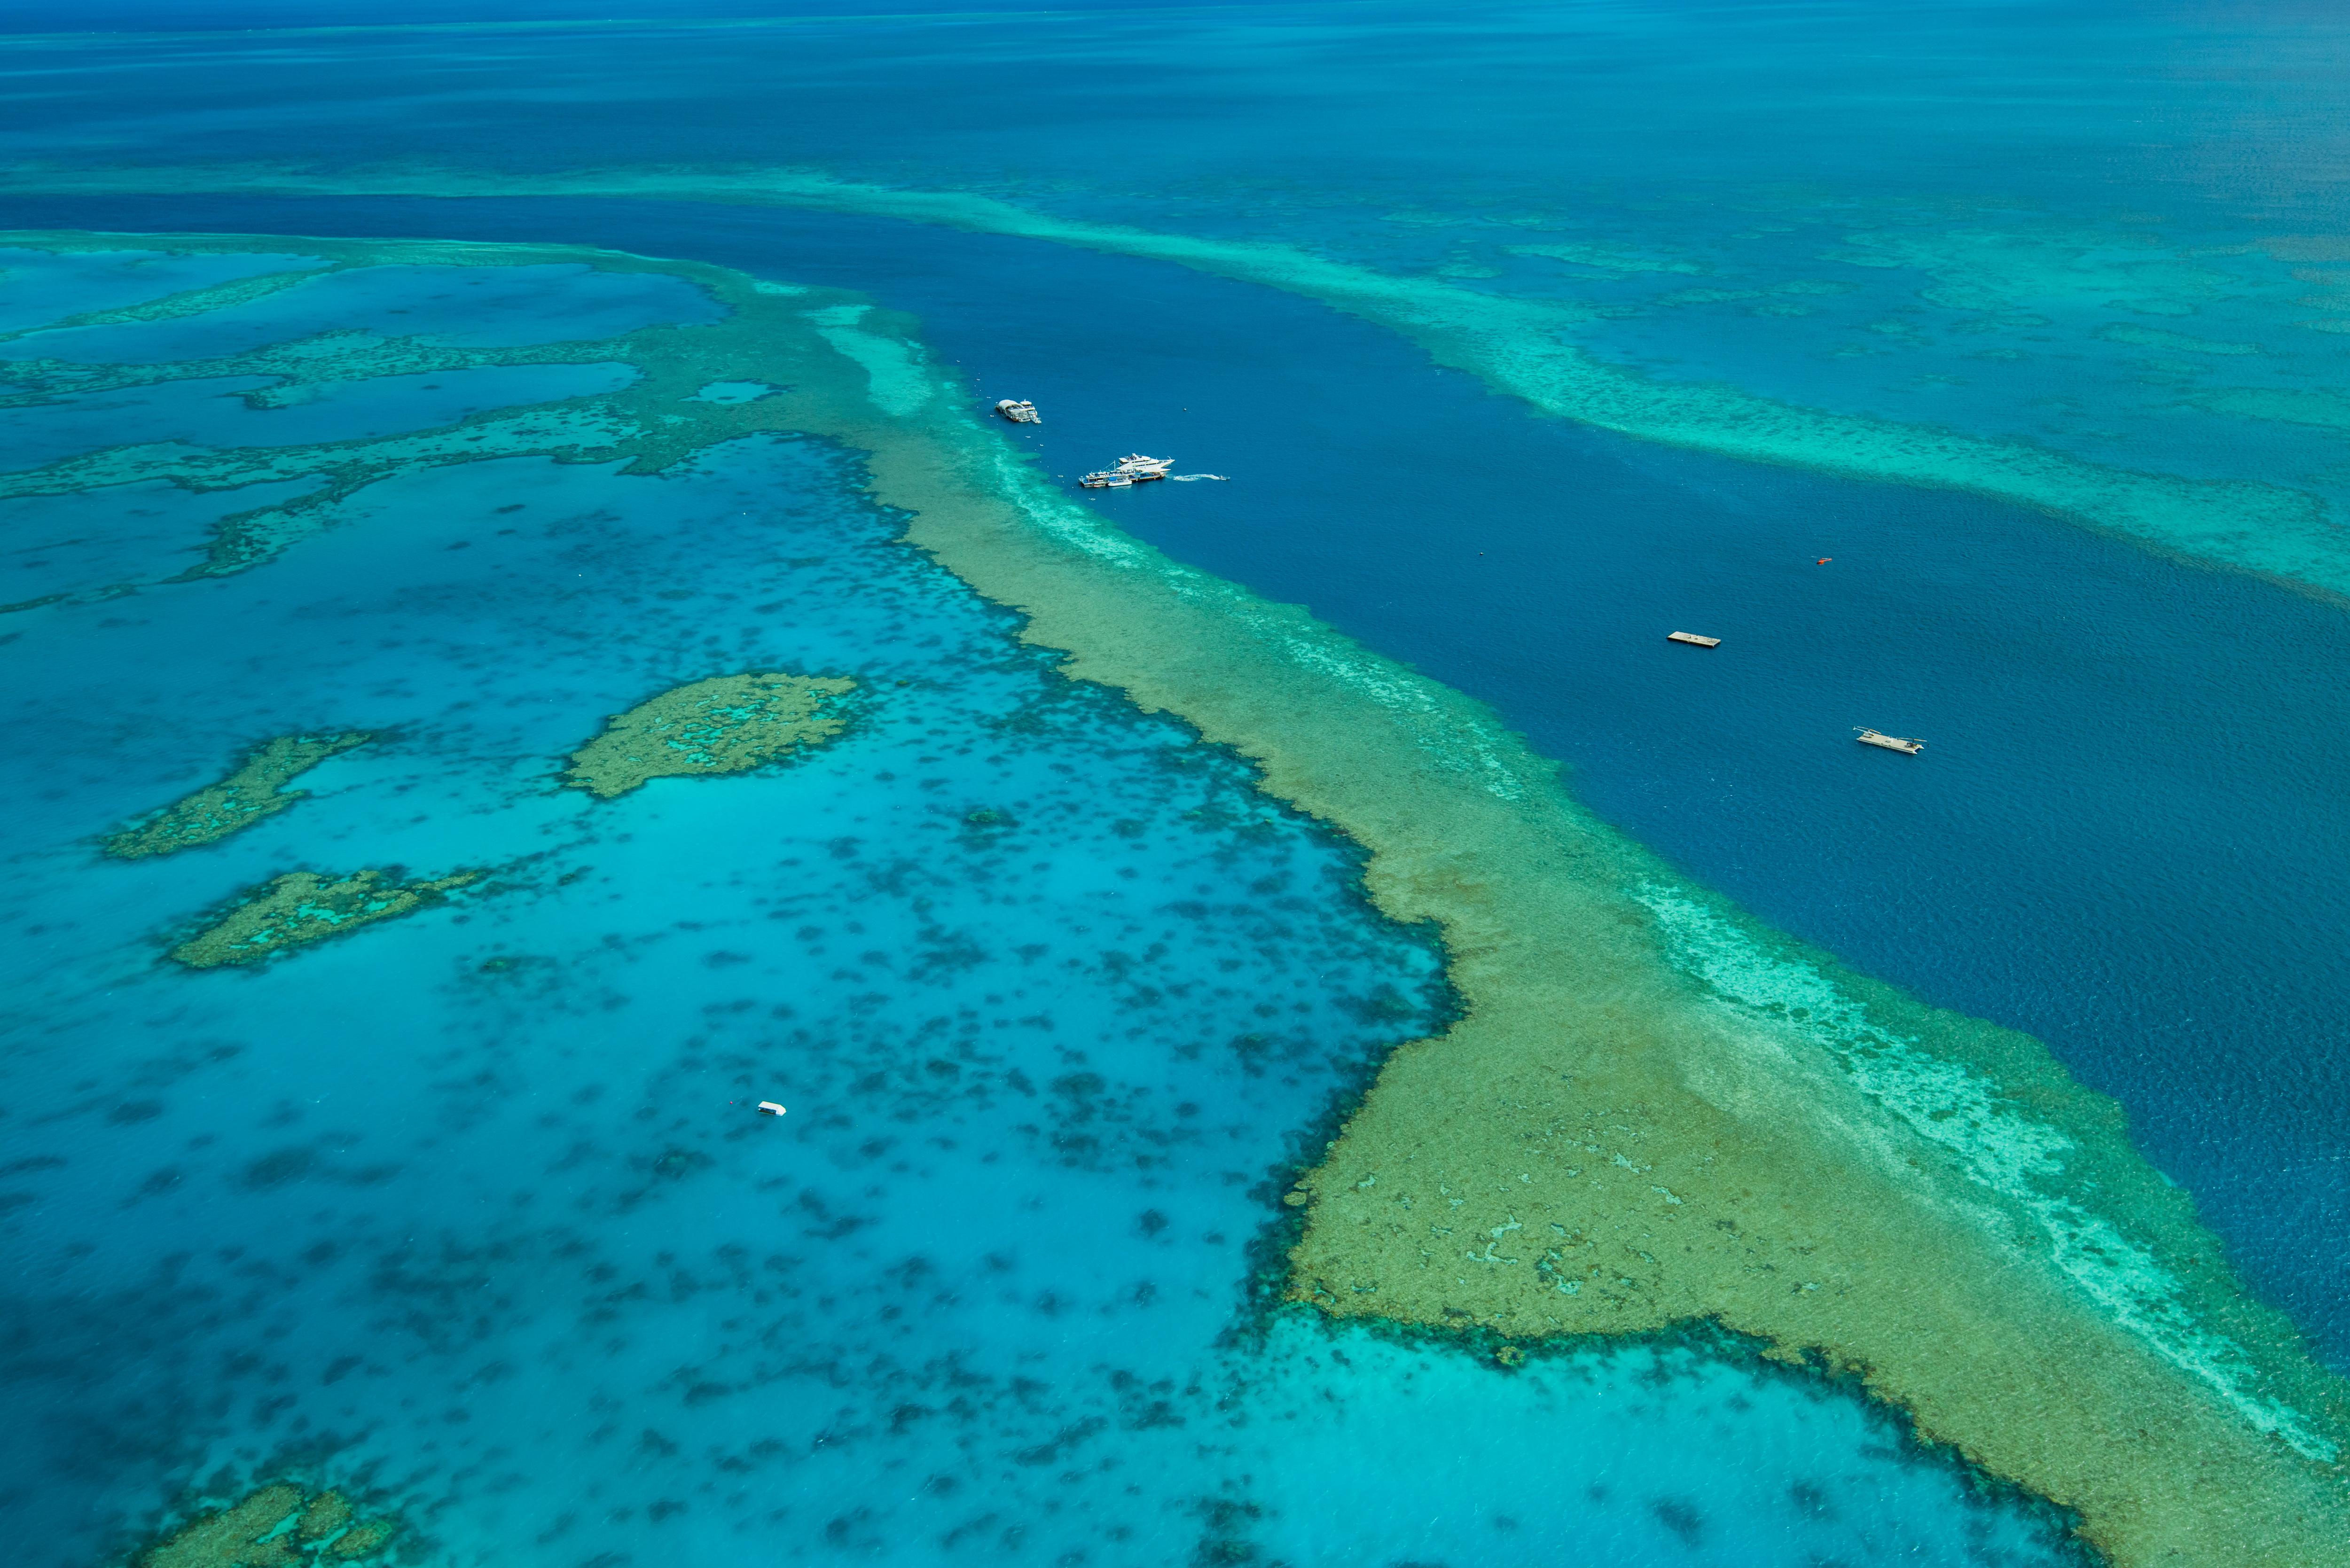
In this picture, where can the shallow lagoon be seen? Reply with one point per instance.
(470, 1212)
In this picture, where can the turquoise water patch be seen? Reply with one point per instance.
(41, 286)
(461, 306)
(2175, 342)
(734, 392)
(1661, 1454)
(94, 539)
(216, 412)
(1058, 999)
(1048, 988)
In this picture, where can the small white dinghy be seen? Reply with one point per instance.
(1019, 411)
(1890, 742)
(769, 1109)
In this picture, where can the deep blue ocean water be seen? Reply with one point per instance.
(2127, 836)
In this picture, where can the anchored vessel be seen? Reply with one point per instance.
(1890, 742)
(1693, 640)
(1019, 411)
(1132, 468)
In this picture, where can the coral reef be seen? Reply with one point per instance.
(273, 1528)
(302, 907)
(1652, 1113)
(255, 790)
(723, 726)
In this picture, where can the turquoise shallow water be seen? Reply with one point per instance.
(472, 1211)
(210, 412)
(2112, 231)
(2125, 845)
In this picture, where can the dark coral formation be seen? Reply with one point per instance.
(255, 790)
(723, 726)
(302, 907)
(273, 1528)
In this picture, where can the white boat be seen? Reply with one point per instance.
(1019, 411)
(1890, 742)
(1132, 468)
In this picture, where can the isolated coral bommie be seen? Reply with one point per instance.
(724, 725)
(273, 1528)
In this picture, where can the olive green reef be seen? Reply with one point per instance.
(301, 908)
(273, 1528)
(1654, 1111)
(255, 790)
(723, 726)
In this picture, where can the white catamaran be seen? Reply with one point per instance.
(1890, 742)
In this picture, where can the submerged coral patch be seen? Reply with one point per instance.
(274, 1528)
(302, 907)
(726, 724)
(254, 790)
(482, 372)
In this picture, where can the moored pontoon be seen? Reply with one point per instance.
(1890, 742)
(1019, 411)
